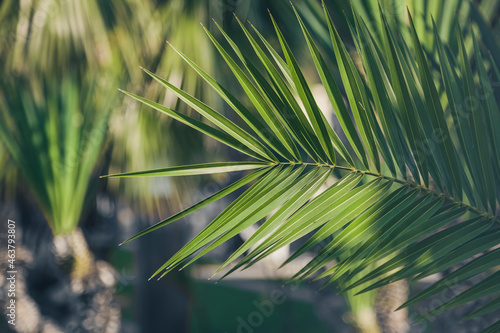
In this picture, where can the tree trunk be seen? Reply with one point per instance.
(73, 254)
(92, 279)
(365, 320)
(389, 298)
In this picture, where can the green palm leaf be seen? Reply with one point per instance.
(423, 197)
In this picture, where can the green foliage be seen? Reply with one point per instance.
(61, 63)
(141, 36)
(55, 111)
(55, 142)
(417, 180)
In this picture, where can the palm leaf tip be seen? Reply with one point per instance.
(194, 169)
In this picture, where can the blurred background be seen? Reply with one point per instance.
(64, 123)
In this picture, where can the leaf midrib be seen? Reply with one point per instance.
(400, 181)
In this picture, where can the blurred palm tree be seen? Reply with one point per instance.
(54, 111)
(63, 60)
(61, 65)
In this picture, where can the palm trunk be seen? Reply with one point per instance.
(389, 298)
(365, 320)
(362, 315)
(90, 278)
(72, 252)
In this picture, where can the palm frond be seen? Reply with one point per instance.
(416, 187)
